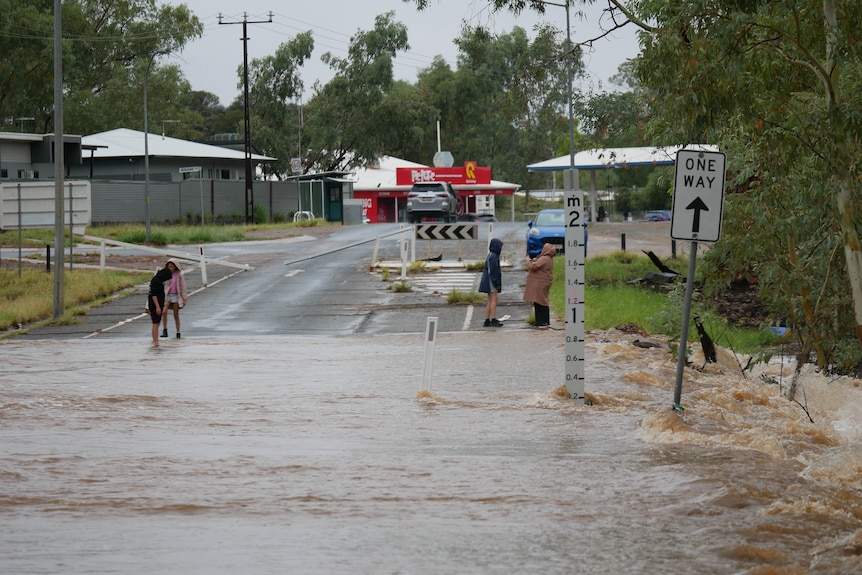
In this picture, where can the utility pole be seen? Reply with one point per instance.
(249, 177)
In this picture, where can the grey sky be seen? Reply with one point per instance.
(210, 62)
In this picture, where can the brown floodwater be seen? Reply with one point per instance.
(326, 455)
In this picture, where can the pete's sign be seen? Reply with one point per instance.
(469, 173)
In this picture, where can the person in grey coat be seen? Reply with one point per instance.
(492, 282)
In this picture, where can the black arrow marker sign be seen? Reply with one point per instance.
(697, 205)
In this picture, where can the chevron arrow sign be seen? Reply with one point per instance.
(447, 231)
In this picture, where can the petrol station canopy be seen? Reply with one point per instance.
(606, 158)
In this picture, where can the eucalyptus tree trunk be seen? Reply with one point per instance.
(849, 235)
(853, 255)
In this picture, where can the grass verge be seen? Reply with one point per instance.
(29, 299)
(613, 300)
(159, 234)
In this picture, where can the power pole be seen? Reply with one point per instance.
(59, 164)
(249, 177)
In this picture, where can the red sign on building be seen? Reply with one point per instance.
(469, 173)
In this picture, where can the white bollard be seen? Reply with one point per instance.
(203, 268)
(403, 258)
(430, 342)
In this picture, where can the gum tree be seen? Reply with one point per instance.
(106, 46)
(342, 118)
(776, 84)
(275, 86)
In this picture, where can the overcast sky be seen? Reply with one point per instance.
(210, 62)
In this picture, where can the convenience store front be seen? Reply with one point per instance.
(383, 188)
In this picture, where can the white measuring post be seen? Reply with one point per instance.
(575, 255)
(403, 244)
(698, 200)
(430, 342)
(203, 268)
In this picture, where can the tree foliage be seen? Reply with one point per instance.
(106, 49)
(275, 86)
(345, 123)
(775, 84)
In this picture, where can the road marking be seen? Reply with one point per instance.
(467, 318)
(292, 273)
(444, 281)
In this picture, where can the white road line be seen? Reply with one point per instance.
(467, 318)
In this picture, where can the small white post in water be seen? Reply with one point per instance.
(430, 341)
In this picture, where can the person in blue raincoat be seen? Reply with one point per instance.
(492, 282)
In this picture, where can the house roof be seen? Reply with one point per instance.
(126, 143)
(382, 176)
(604, 158)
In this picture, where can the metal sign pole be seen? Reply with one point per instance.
(683, 338)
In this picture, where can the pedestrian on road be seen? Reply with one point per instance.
(492, 282)
(175, 296)
(540, 276)
(156, 300)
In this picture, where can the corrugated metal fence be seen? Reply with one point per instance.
(124, 201)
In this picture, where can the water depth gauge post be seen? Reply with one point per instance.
(575, 254)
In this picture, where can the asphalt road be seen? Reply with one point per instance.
(325, 286)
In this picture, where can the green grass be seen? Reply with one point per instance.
(612, 300)
(30, 298)
(608, 307)
(400, 287)
(160, 235)
(457, 297)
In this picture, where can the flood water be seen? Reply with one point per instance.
(324, 456)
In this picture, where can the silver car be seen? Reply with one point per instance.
(436, 200)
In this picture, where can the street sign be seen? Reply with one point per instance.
(447, 231)
(698, 199)
(698, 196)
(443, 160)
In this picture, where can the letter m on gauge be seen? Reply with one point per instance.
(698, 195)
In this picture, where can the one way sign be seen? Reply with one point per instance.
(446, 231)
(698, 196)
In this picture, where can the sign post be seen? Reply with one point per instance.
(698, 199)
(575, 255)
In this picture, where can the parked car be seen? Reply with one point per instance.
(657, 216)
(477, 218)
(549, 227)
(436, 200)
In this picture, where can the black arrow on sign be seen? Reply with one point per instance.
(446, 232)
(697, 205)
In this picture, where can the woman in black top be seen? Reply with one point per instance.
(156, 300)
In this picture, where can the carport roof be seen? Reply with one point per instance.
(605, 158)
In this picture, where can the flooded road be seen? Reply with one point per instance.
(322, 455)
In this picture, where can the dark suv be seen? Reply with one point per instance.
(432, 200)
